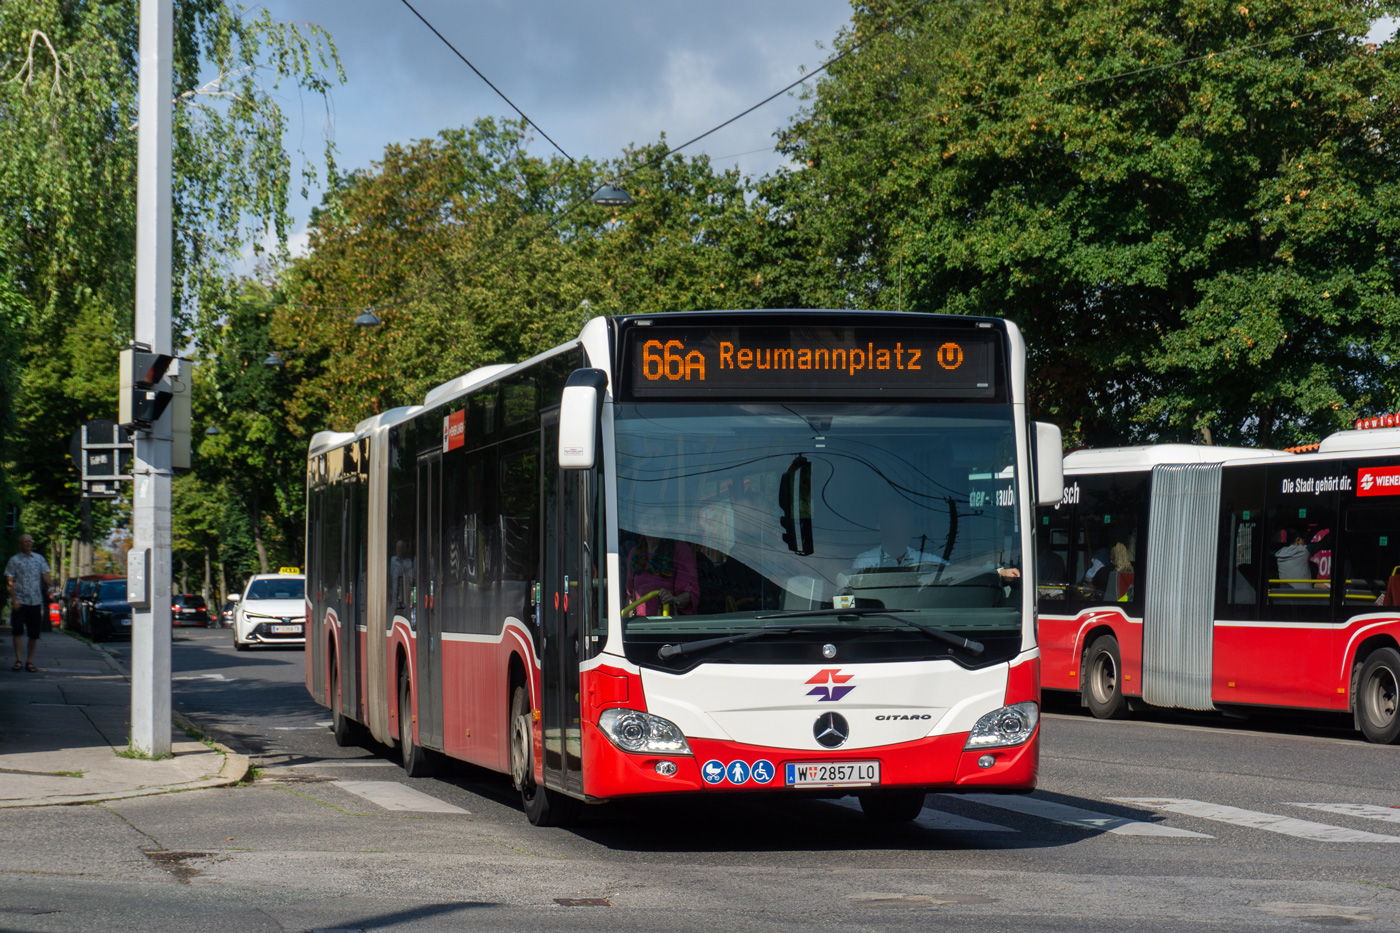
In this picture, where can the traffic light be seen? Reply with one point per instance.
(143, 396)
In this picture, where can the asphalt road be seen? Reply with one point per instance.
(1158, 823)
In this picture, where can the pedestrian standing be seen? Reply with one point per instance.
(29, 581)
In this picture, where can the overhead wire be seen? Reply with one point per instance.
(499, 92)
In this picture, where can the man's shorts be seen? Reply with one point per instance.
(27, 618)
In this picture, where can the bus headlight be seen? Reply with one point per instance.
(634, 731)
(1010, 725)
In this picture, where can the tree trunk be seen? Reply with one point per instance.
(223, 584)
(209, 580)
(256, 516)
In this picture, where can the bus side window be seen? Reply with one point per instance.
(1242, 558)
(1370, 549)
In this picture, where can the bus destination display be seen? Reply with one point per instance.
(751, 362)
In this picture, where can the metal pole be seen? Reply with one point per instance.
(151, 468)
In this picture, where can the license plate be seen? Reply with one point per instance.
(286, 630)
(124, 623)
(832, 773)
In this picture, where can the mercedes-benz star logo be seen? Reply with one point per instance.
(831, 730)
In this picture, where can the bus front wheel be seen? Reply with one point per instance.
(1377, 696)
(1103, 679)
(543, 806)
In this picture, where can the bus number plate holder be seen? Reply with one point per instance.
(832, 773)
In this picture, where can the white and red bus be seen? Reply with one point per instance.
(1208, 578)
(705, 552)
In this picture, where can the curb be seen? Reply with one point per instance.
(235, 769)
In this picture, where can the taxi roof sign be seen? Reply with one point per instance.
(289, 570)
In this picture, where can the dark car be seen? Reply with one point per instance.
(105, 612)
(78, 594)
(188, 609)
(226, 613)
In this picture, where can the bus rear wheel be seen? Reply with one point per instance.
(345, 729)
(1103, 679)
(416, 761)
(1378, 697)
(543, 807)
(891, 806)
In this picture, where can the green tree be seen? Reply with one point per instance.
(473, 252)
(1189, 206)
(68, 127)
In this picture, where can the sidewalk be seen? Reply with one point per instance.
(61, 730)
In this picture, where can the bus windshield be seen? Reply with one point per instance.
(734, 517)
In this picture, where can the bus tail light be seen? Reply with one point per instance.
(635, 731)
(1009, 725)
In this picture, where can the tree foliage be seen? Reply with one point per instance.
(1190, 207)
(473, 252)
(68, 130)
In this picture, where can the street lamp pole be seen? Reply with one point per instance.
(151, 467)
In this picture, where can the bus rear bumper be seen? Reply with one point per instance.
(938, 763)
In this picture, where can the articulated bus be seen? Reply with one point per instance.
(1229, 579)
(692, 553)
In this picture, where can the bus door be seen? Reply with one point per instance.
(563, 599)
(428, 583)
(351, 544)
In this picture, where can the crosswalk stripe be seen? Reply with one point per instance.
(941, 820)
(392, 795)
(1085, 819)
(1288, 826)
(1363, 810)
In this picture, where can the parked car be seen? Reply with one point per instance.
(105, 612)
(226, 613)
(188, 609)
(78, 594)
(271, 612)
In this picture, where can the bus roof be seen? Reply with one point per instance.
(1145, 457)
(1368, 439)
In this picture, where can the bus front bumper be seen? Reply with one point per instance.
(938, 763)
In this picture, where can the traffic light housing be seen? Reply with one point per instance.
(144, 394)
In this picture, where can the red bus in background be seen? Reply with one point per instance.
(1224, 578)
(710, 552)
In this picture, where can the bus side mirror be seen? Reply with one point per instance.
(580, 409)
(1049, 458)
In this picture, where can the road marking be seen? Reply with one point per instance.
(1303, 829)
(1084, 819)
(1363, 810)
(391, 795)
(219, 677)
(941, 821)
(325, 723)
(297, 728)
(72, 670)
(345, 763)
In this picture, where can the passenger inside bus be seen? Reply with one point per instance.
(1295, 562)
(899, 548)
(662, 578)
(726, 584)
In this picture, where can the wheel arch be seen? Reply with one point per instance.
(1089, 636)
(1358, 660)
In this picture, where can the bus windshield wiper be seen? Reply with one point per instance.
(671, 651)
(957, 641)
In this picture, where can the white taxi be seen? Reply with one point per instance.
(272, 610)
